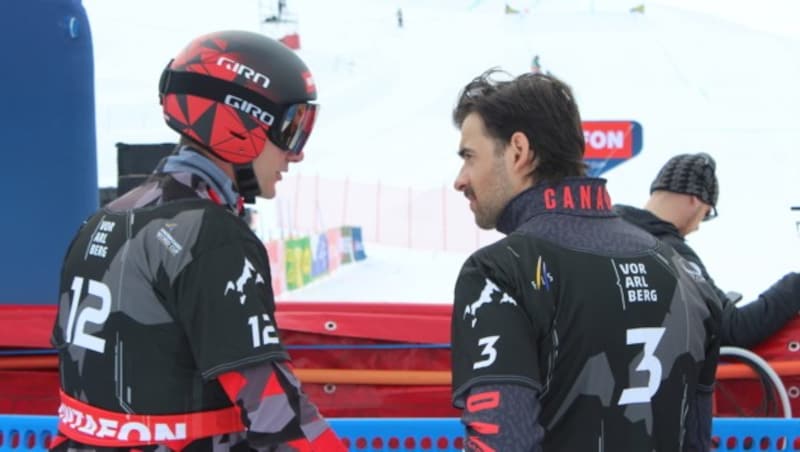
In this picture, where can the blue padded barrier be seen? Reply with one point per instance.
(26, 432)
(756, 434)
(49, 181)
(18, 433)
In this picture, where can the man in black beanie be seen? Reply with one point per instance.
(684, 194)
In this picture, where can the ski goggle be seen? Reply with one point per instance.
(291, 130)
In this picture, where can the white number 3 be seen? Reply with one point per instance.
(488, 350)
(650, 337)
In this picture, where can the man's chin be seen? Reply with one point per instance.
(267, 194)
(485, 224)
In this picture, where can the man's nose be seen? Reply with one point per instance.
(461, 181)
(295, 158)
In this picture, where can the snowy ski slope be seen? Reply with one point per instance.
(696, 82)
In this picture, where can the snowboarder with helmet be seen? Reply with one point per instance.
(166, 327)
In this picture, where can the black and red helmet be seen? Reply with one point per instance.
(230, 91)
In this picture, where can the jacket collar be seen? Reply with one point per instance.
(647, 221)
(578, 196)
(188, 160)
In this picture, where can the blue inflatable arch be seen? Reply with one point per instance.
(49, 183)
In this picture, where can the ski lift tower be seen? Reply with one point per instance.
(278, 21)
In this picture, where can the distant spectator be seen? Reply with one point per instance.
(536, 66)
(281, 7)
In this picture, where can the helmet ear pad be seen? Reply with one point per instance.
(228, 132)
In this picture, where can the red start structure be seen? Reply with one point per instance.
(368, 360)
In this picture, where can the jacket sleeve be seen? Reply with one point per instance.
(502, 417)
(276, 412)
(699, 413)
(756, 321)
(698, 422)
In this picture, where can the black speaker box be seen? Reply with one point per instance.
(135, 162)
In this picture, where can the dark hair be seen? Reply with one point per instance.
(538, 105)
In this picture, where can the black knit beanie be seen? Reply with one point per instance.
(691, 174)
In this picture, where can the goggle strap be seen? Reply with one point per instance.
(173, 82)
(212, 88)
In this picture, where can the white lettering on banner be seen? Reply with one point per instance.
(608, 139)
(89, 427)
(69, 417)
(108, 428)
(127, 431)
(249, 108)
(637, 289)
(243, 70)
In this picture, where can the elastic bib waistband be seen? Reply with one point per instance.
(90, 425)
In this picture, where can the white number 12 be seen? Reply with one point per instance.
(76, 330)
(267, 333)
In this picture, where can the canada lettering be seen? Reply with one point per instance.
(587, 197)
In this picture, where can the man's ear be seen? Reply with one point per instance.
(522, 154)
(697, 205)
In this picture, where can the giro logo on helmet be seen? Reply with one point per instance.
(243, 70)
(249, 108)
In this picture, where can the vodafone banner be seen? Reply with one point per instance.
(609, 143)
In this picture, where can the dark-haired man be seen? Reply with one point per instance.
(564, 333)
